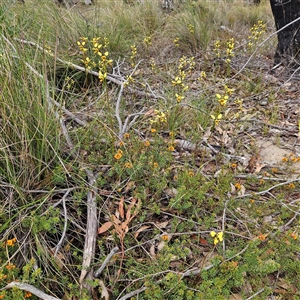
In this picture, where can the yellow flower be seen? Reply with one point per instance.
(262, 237)
(148, 40)
(128, 165)
(155, 165)
(218, 237)
(102, 76)
(217, 119)
(294, 235)
(87, 62)
(185, 87)
(191, 173)
(291, 186)
(27, 295)
(129, 80)
(176, 41)
(119, 154)
(228, 90)
(147, 143)
(222, 100)
(176, 81)
(179, 98)
(191, 28)
(170, 148)
(152, 130)
(238, 186)
(11, 242)
(10, 266)
(202, 75)
(165, 237)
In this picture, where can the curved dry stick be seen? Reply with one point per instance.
(65, 223)
(29, 288)
(106, 261)
(268, 190)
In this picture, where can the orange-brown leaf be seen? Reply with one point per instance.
(105, 227)
(121, 208)
(140, 230)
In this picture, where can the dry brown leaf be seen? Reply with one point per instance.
(122, 227)
(150, 112)
(236, 297)
(140, 230)
(60, 259)
(128, 213)
(152, 251)
(203, 242)
(121, 207)
(286, 285)
(116, 220)
(162, 224)
(253, 163)
(105, 227)
(129, 186)
(258, 167)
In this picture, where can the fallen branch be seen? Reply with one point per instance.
(29, 288)
(269, 189)
(109, 77)
(74, 66)
(91, 228)
(285, 226)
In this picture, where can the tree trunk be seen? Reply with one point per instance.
(288, 48)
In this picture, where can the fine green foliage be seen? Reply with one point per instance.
(146, 121)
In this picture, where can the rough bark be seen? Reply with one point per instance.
(288, 48)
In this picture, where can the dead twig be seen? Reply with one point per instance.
(257, 293)
(268, 190)
(106, 261)
(285, 226)
(65, 223)
(124, 127)
(91, 228)
(29, 288)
